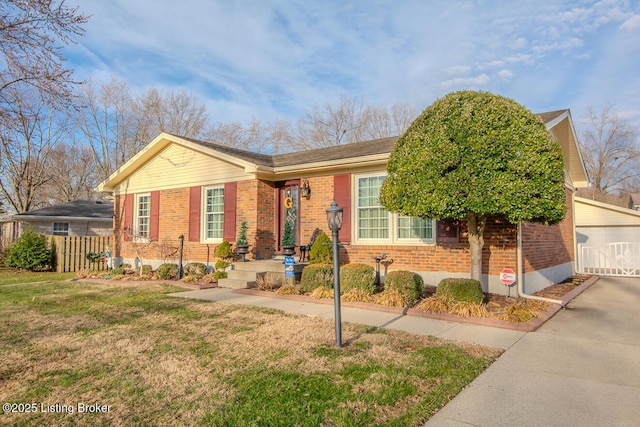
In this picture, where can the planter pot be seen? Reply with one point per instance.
(242, 251)
(288, 250)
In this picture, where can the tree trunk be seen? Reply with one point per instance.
(476, 243)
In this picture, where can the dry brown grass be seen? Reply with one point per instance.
(170, 361)
(321, 292)
(435, 304)
(288, 289)
(356, 295)
(523, 310)
(391, 298)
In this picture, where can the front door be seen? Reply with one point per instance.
(289, 202)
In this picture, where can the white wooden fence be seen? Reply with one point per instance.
(613, 259)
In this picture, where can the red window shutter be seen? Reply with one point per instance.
(194, 213)
(342, 196)
(448, 231)
(230, 193)
(154, 216)
(127, 225)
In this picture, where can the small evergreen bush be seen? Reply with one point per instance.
(118, 271)
(224, 251)
(469, 290)
(221, 265)
(146, 269)
(167, 271)
(219, 274)
(359, 277)
(30, 251)
(195, 269)
(321, 251)
(409, 284)
(316, 275)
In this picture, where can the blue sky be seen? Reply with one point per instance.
(269, 59)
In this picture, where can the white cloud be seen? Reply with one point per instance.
(632, 24)
(505, 75)
(477, 81)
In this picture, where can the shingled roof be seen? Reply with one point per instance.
(76, 209)
(326, 154)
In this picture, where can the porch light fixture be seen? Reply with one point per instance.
(334, 219)
(305, 190)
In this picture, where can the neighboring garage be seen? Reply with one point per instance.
(607, 239)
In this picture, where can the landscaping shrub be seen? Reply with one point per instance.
(469, 290)
(219, 274)
(195, 269)
(321, 251)
(409, 284)
(146, 269)
(221, 265)
(118, 271)
(392, 298)
(224, 251)
(268, 281)
(30, 251)
(316, 275)
(167, 271)
(357, 276)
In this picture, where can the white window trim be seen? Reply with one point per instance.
(53, 229)
(136, 216)
(203, 216)
(393, 238)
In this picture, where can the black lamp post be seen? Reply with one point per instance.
(334, 219)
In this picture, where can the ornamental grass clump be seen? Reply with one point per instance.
(316, 275)
(436, 304)
(523, 310)
(409, 284)
(357, 276)
(392, 298)
(469, 290)
(357, 295)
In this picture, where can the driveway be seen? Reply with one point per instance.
(581, 368)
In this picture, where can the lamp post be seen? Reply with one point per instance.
(334, 219)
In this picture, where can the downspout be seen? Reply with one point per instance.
(520, 280)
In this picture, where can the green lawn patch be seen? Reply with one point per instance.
(157, 360)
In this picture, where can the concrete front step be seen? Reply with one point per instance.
(236, 283)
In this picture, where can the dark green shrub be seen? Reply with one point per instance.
(118, 271)
(167, 271)
(224, 251)
(30, 251)
(219, 274)
(316, 275)
(126, 266)
(146, 269)
(358, 277)
(409, 284)
(195, 269)
(321, 250)
(220, 265)
(469, 290)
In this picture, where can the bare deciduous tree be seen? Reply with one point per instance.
(27, 140)
(32, 34)
(71, 174)
(176, 112)
(610, 151)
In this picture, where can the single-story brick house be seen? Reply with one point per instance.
(203, 191)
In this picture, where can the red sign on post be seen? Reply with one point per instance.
(508, 276)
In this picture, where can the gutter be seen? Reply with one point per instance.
(520, 278)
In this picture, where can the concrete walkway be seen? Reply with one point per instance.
(581, 368)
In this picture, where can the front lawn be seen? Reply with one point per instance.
(143, 358)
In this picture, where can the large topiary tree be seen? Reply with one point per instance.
(471, 155)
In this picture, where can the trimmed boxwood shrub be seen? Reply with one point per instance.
(321, 251)
(409, 284)
(167, 271)
(224, 251)
(315, 275)
(195, 269)
(146, 269)
(358, 277)
(469, 290)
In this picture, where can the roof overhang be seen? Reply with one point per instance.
(28, 218)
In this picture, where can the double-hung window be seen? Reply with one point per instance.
(60, 229)
(213, 220)
(376, 225)
(142, 217)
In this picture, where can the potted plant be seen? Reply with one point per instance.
(242, 246)
(288, 243)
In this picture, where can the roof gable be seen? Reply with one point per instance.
(374, 152)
